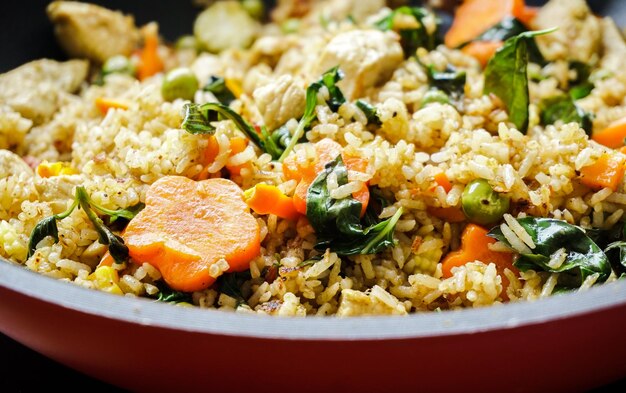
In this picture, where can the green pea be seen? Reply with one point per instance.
(481, 204)
(255, 8)
(435, 95)
(187, 42)
(118, 65)
(291, 25)
(179, 83)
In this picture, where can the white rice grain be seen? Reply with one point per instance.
(519, 230)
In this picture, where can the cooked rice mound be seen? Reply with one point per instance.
(116, 156)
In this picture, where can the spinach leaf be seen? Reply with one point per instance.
(217, 86)
(230, 284)
(580, 86)
(564, 108)
(583, 257)
(450, 81)
(508, 28)
(44, 228)
(416, 37)
(337, 222)
(336, 99)
(369, 111)
(506, 77)
(168, 295)
(117, 248)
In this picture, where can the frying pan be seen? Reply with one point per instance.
(571, 342)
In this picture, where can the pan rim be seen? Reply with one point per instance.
(144, 312)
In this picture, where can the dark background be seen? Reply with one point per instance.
(25, 35)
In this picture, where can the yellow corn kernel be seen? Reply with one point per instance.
(105, 278)
(234, 86)
(49, 169)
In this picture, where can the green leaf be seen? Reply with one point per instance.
(369, 111)
(336, 99)
(337, 222)
(168, 295)
(217, 86)
(117, 248)
(199, 118)
(506, 77)
(412, 38)
(564, 108)
(583, 258)
(44, 228)
(508, 28)
(450, 81)
(128, 213)
(230, 284)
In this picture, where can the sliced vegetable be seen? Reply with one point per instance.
(48, 226)
(482, 51)
(581, 256)
(607, 171)
(104, 104)
(336, 99)
(267, 199)
(613, 136)
(506, 76)
(564, 108)
(217, 86)
(179, 83)
(412, 35)
(337, 221)
(190, 230)
(474, 17)
(475, 243)
(150, 62)
(481, 204)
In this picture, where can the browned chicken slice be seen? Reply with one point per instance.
(92, 32)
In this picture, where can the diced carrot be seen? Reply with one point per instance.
(474, 17)
(305, 170)
(107, 260)
(527, 15)
(442, 180)
(622, 150)
(187, 228)
(104, 104)
(607, 171)
(208, 157)
(482, 51)
(612, 136)
(150, 62)
(267, 199)
(475, 247)
(237, 145)
(449, 214)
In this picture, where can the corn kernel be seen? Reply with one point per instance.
(49, 169)
(105, 278)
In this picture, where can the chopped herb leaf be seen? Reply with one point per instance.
(337, 222)
(506, 77)
(416, 37)
(564, 108)
(369, 111)
(168, 295)
(583, 256)
(44, 228)
(217, 86)
(450, 81)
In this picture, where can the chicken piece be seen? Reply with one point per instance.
(15, 184)
(376, 302)
(366, 57)
(614, 47)
(280, 100)
(13, 128)
(579, 32)
(92, 32)
(36, 89)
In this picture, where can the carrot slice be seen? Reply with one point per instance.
(607, 171)
(475, 247)
(267, 199)
(305, 170)
(188, 226)
(613, 136)
(237, 145)
(482, 51)
(104, 104)
(474, 17)
(150, 62)
(449, 214)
